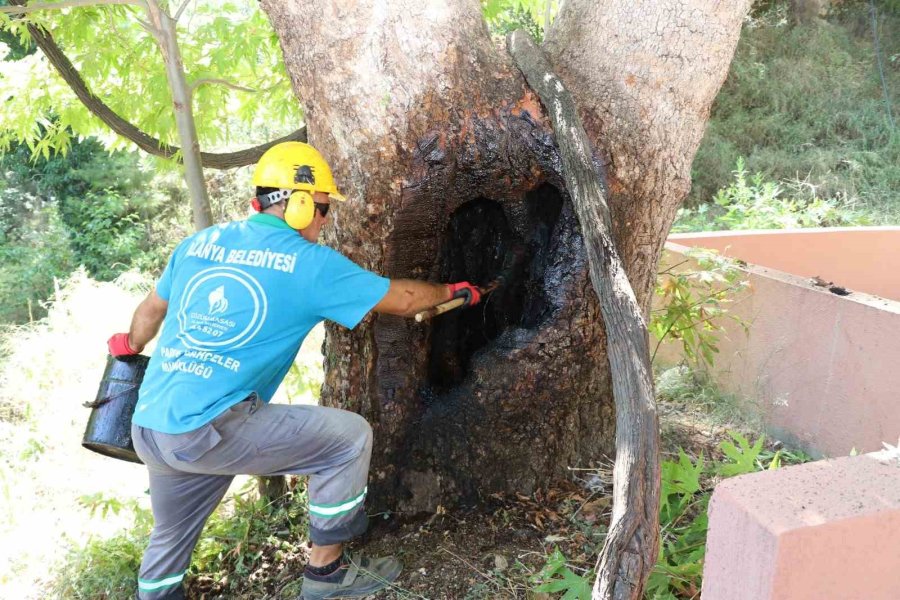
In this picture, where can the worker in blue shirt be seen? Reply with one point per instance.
(235, 303)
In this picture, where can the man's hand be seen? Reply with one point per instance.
(466, 290)
(118, 345)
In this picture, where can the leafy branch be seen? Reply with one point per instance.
(120, 125)
(692, 301)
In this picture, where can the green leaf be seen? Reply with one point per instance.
(742, 458)
(558, 577)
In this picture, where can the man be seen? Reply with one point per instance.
(236, 302)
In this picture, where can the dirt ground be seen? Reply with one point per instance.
(468, 553)
(495, 551)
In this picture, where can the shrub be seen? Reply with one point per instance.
(87, 207)
(30, 265)
(751, 202)
(805, 103)
(106, 568)
(691, 302)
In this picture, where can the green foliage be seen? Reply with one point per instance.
(106, 568)
(220, 42)
(87, 207)
(106, 235)
(686, 488)
(303, 380)
(556, 577)
(692, 300)
(805, 103)
(742, 458)
(14, 49)
(240, 536)
(238, 539)
(754, 203)
(505, 16)
(30, 264)
(685, 491)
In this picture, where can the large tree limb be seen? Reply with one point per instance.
(630, 550)
(62, 5)
(645, 73)
(147, 143)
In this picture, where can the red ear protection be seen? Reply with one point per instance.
(254, 202)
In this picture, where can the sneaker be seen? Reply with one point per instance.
(362, 576)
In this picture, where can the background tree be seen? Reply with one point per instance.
(451, 165)
(140, 68)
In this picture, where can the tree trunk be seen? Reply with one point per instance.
(631, 545)
(644, 74)
(163, 28)
(450, 165)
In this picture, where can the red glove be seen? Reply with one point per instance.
(118, 345)
(464, 289)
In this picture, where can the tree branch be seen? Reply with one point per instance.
(145, 142)
(21, 9)
(631, 545)
(180, 10)
(225, 82)
(148, 27)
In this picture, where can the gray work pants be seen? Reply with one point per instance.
(190, 473)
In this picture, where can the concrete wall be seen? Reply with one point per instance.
(865, 259)
(828, 530)
(823, 369)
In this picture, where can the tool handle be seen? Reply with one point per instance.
(439, 309)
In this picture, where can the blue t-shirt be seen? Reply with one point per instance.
(242, 297)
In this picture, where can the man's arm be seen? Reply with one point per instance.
(406, 297)
(147, 318)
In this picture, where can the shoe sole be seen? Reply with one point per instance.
(375, 587)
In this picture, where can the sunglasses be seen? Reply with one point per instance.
(322, 208)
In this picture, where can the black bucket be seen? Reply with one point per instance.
(109, 428)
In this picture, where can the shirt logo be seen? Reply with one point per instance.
(222, 308)
(218, 303)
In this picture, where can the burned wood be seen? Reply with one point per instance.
(630, 550)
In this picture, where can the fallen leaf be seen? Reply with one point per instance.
(500, 562)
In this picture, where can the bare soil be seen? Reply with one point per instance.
(497, 549)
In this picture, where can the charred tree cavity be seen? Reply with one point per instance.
(498, 388)
(479, 245)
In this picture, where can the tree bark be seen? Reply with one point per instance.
(450, 164)
(631, 545)
(644, 74)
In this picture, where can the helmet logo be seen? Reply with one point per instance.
(304, 174)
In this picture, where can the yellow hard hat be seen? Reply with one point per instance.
(295, 166)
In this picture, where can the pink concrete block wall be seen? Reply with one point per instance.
(822, 369)
(865, 259)
(828, 530)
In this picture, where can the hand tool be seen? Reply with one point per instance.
(513, 259)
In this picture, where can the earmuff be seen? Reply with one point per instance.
(300, 210)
